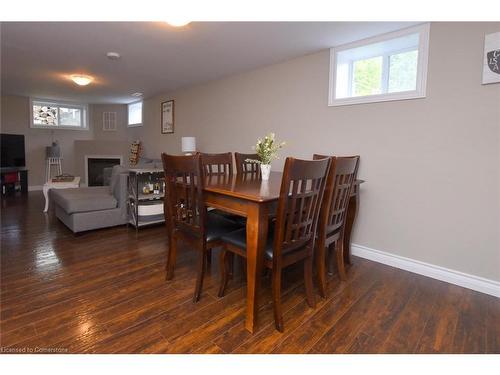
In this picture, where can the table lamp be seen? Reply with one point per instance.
(188, 145)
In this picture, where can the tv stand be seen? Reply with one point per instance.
(13, 180)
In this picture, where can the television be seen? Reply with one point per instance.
(12, 151)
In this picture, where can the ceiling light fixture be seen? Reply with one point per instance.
(178, 22)
(137, 94)
(113, 55)
(81, 80)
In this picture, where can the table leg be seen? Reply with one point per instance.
(352, 210)
(257, 222)
(46, 195)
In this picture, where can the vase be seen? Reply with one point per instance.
(265, 171)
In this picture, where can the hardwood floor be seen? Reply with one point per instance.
(105, 292)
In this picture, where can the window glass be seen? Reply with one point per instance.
(403, 71)
(135, 113)
(367, 77)
(44, 115)
(70, 116)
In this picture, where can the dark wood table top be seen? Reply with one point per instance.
(247, 187)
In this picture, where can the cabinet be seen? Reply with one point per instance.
(13, 180)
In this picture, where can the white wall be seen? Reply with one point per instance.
(431, 166)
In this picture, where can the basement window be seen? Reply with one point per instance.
(135, 114)
(51, 114)
(388, 67)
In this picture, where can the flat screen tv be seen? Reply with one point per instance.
(12, 150)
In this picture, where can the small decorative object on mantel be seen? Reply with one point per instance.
(167, 117)
(267, 150)
(491, 64)
(135, 151)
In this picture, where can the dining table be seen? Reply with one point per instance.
(255, 199)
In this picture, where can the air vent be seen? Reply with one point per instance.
(109, 121)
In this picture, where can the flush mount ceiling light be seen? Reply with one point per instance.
(178, 22)
(81, 80)
(137, 94)
(113, 55)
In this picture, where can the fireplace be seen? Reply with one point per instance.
(95, 165)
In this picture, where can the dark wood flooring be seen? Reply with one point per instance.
(104, 292)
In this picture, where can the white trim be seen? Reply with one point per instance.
(423, 58)
(86, 161)
(462, 279)
(35, 187)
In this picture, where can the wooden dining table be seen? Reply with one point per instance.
(255, 199)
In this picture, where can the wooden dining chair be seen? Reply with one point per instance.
(244, 167)
(333, 214)
(217, 164)
(292, 237)
(186, 216)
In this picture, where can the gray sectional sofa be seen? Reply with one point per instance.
(88, 208)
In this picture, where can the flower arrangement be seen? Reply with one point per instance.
(267, 149)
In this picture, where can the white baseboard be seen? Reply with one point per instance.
(465, 280)
(35, 188)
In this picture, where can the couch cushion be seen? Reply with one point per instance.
(84, 199)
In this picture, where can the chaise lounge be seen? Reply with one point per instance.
(94, 207)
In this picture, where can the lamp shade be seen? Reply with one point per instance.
(188, 144)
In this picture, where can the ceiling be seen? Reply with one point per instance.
(38, 57)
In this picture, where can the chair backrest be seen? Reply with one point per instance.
(243, 166)
(301, 194)
(339, 185)
(217, 164)
(184, 203)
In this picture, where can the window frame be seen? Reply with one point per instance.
(422, 65)
(142, 114)
(84, 118)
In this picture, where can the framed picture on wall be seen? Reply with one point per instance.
(491, 64)
(167, 117)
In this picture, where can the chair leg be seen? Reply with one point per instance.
(340, 260)
(278, 312)
(202, 258)
(172, 253)
(226, 258)
(320, 269)
(308, 281)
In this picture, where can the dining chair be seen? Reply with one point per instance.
(333, 214)
(291, 238)
(186, 216)
(244, 167)
(217, 164)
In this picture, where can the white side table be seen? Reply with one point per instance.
(58, 185)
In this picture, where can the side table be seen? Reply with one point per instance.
(58, 185)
